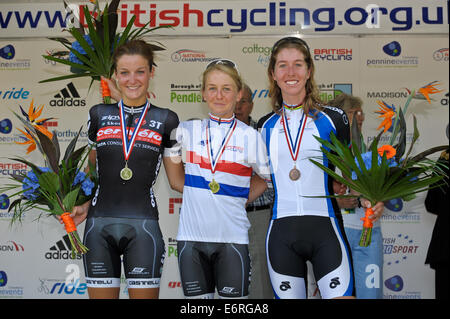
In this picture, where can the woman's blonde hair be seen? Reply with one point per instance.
(228, 69)
(312, 99)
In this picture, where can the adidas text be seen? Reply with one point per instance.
(61, 255)
(68, 102)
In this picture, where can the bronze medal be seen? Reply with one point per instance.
(294, 174)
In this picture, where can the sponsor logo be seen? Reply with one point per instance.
(11, 246)
(441, 55)
(395, 60)
(392, 49)
(5, 126)
(4, 201)
(395, 283)
(174, 284)
(8, 53)
(7, 169)
(329, 91)
(115, 132)
(14, 94)
(334, 282)
(68, 96)
(395, 289)
(10, 291)
(398, 249)
(185, 93)
(172, 248)
(285, 285)
(395, 204)
(3, 278)
(333, 54)
(61, 287)
(387, 94)
(444, 101)
(175, 201)
(187, 55)
(61, 250)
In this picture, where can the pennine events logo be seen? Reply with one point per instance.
(9, 62)
(393, 58)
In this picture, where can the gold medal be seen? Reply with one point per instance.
(126, 173)
(294, 174)
(214, 186)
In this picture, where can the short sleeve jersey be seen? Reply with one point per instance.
(296, 198)
(218, 217)
(133, 198)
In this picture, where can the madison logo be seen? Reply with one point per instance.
(11, 246)
(68, 96)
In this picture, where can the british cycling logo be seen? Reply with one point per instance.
(333, 54)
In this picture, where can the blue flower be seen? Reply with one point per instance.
(86, 183)
(77, 47)
(30, 184)
(367, 160)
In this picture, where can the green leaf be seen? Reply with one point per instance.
(49, 182)
(50, 150)
(71, 146)
(70, 199)
(401, 146)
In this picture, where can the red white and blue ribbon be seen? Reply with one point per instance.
(294, 147)
(128, 143)
(215, 159)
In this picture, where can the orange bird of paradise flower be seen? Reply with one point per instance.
(29, 141)
(387, 111)
(388, 149)
(425, 91)
(32, 117)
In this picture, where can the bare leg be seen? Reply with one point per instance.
(104, 293)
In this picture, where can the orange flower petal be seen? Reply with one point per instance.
(388, 149)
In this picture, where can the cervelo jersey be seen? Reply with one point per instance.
(292, 197)
(218, 217)
(133, 198)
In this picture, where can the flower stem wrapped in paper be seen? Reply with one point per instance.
(91, 52)
(57, 186)
(382, 173)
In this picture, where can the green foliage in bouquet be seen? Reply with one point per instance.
(56, 187)
(91, 52)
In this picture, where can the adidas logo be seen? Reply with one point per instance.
(62, 250)
(68, 96)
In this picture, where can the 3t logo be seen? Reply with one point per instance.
(334, 282)
(285, 285)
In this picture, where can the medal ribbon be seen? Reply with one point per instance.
(294, 148)
(128, 144)
(225, 140)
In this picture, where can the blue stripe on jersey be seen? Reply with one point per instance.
(325, 128)
(225, 189)
(267, 129)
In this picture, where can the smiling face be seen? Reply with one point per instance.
(291, 74)
(133, 75)
(221, 94)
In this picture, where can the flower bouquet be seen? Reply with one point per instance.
(57, 186)
(382, 173)
(91, 52)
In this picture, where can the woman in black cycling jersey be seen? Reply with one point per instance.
(130, 140)
(304, 227)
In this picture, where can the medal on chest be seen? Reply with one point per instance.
(128, 141)
(213, 185)
(294, 147)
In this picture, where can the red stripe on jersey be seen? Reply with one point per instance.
(223, 166)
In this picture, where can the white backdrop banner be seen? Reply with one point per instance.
(34, 255)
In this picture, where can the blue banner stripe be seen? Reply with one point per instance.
(228, 190)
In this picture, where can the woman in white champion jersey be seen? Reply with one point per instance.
(304, 227)
(220, 153)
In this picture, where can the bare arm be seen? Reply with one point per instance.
(257, 187)
(175, 172)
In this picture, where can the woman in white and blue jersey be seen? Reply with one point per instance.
(305, 226)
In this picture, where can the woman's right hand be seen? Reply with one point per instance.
(79, 213)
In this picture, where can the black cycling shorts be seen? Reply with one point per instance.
(139, 241)
(206, 266)
(294, 240)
